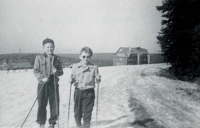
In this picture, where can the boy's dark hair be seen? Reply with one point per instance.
(87, 50)
(47, 40)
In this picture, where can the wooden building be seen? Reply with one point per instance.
(130, 56)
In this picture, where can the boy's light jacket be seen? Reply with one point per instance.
(43, 67)
(84, 78)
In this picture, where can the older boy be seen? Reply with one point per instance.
(84, 75)
(46, 65)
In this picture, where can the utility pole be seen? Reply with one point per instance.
(19, 58)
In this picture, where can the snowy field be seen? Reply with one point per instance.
(129, 97)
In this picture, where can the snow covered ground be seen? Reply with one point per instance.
(129, 97)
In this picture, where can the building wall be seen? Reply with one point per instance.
(143, 59)
(156, 58)
(132, 60)
(117, 61)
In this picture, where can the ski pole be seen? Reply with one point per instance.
(56, 99)
(97, 104)
(33, 105)
(69, 104)
(54, 79)
(98, 79)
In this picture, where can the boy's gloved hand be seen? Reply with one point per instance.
(71, 79)
(76, 84)
(54, 70)
(45, 79)
(98, 78)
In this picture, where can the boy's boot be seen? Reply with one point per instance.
(86, 125)
(51, 126)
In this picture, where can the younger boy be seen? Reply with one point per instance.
(46, 65)
(84, 75)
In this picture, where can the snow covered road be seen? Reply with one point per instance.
(129, 97)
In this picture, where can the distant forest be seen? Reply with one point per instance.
(100, 59)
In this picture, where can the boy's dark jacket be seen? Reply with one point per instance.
(42, 67)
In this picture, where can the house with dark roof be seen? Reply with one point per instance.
(130, 56)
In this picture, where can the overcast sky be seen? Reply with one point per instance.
(103, 25)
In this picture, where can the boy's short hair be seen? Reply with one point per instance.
(47, 40)
(87, 50)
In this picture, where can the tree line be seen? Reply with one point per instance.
(179, 37)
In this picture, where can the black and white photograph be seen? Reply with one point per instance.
(99, 64)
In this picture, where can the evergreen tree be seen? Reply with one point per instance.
(179, 38)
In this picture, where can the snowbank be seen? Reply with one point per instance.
(129, 96)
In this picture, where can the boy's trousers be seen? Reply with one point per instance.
(84, 103)
(48, 93)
